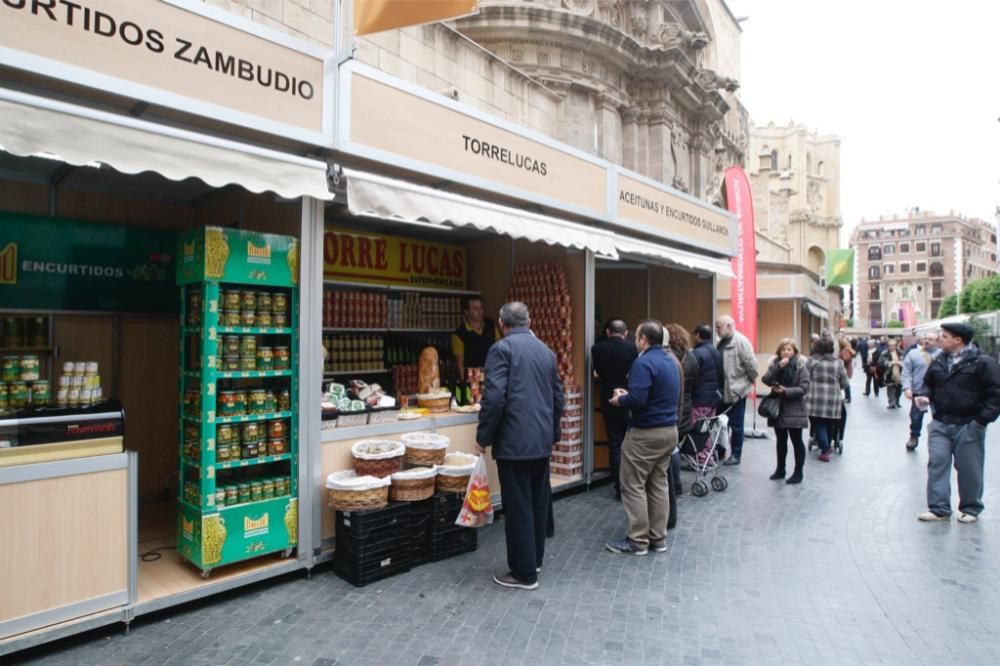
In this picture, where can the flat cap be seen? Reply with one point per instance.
(961, 330)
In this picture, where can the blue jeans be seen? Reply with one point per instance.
(963, 446)
(916, 420)
(737, 415)
(823, 430)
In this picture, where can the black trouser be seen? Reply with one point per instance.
(798, 448)
(616, 424)
(525, 493)
(869, 378)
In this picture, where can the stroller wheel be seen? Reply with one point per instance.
(719, 483)
(840, 448)
(812, 444)
(699, 489)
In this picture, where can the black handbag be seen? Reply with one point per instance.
(770, 406)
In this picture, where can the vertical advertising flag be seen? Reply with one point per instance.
(839, 267)
(378, 15)
(743, 295)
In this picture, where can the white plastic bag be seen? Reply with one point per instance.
(477, 509)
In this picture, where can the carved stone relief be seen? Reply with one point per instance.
(581, 7)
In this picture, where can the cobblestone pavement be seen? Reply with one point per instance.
(835, 571)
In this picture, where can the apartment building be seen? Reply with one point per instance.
(907, 265)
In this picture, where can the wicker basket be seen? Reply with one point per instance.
(451, 484)
(413, 485)
(377, 457)
(434, 403)
(425, 448)
(347, 491)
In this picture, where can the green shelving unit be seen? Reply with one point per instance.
(216, 527)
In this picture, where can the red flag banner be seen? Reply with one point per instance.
(743, 295)
(378, 15)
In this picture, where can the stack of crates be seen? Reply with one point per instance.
(372, 545)
(446, 538)
(421, 514)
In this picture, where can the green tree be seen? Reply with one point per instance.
(949, 306)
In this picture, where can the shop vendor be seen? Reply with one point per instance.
(474, 337)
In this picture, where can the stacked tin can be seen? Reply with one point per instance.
(79, 384)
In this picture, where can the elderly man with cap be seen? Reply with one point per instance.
(962, 386)
(915, 365)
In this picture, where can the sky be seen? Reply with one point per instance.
(912, 88)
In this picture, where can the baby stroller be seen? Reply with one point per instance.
(703, 449)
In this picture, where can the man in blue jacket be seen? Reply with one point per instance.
(521, 407)
(654, 386)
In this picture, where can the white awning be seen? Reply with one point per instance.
(389, 199)
(721, 267)
(816, 310)
(78, 135)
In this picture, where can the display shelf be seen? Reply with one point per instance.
(396, 287)
(252, 374)
(229, 507)
(240, 330)
(249, 462)
(247, 418)
(30, 350)
(386, 330)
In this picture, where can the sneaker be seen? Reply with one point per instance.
(626, 546)
(911, 443)
(508, 580)
(930, 517)
(734, 460)
(658, 546)
(825, 456)
(967, 518)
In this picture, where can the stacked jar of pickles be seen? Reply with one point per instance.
(253, 402)
(245, 353)
(22, 384)
(247, 441)
(252, 490)
(247, 308)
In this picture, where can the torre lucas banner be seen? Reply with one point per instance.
(156, 49)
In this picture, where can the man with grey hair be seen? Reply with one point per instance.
(519, 418)
(740, 365)
(915, 366)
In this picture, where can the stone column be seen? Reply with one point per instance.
(630, 138)
(661, 165)
(609, 140)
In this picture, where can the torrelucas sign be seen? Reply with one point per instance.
(173, 53)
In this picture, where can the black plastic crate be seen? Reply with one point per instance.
(361, 573)
(456, 545)
(375, 545)
(358, 525)
(420, 523)
(447, 506)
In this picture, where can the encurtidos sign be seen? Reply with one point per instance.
(175, 53)
(392, 260)
(57, 264)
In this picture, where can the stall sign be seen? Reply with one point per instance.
(411, 128)
(654, 209)
(57, 264)
(237, 256)
(392, 260)
(178, 54)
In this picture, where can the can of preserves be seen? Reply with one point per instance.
(220, 497)
(192, 401)
(284, 400)
(276, 447)
(231, 345)
(72, 400)
(248, 363)
(279, 303)
(241, 403)
(282, 358)
(267, 488)
(264, 319)
(279, 319)
(227, 403)
(41, 393)
(222, 453)
(3, 397)
(250, 432)
(270, 402)
(229, 363)
(265, 358)
(230, 318)
(17, 396)
(264, 302)
(283, 486)
(257, 401)
(249, 450)
(10, 370)
(256, 491)
(248, 300)
(232, 495)
(62, 398)
(30, 368)
(225, 435)
(276, 429)
(248, 318)
(230, 299)
(243, 490)
(248, 345)
(194, 304)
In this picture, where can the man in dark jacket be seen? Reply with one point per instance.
(654, 386)
(862, 349)
(521, 407)
(707, 394)
(962, 386)
(613, 356)
(874, 374)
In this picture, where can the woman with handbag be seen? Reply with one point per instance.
(785, 406)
